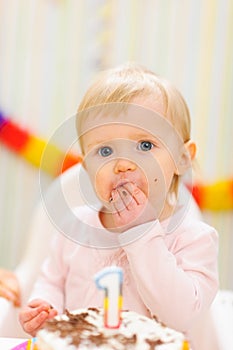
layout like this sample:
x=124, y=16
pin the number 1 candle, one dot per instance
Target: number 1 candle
x=110, y=280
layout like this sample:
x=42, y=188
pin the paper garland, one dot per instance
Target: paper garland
x=31, y=148
x=216, y=197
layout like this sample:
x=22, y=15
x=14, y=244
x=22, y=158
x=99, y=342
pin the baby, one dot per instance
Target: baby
x=134, y=133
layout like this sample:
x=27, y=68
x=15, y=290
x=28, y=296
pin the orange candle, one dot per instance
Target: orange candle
x=110, y=279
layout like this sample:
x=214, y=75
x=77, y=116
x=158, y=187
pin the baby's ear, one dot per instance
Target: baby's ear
x=188, y=153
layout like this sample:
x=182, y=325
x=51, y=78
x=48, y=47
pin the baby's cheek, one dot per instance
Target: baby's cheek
x=102, y=189
x=144, y=185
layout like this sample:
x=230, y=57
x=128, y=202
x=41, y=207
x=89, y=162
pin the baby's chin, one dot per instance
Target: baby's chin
x=106, y=203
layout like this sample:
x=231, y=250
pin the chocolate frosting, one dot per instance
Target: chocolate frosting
x=86, y=328
x=80, y=330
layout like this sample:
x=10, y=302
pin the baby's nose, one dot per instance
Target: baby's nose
x=123, y=165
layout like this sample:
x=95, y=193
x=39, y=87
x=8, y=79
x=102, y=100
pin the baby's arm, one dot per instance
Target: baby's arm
x=33, y=316
x=47, y=291
x=50, y=284
x=176, y=277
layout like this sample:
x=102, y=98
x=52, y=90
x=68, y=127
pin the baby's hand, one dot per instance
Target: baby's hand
x=34, y=315
x=9, y=287
x=128, y=203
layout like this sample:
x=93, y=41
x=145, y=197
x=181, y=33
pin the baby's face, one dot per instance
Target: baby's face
x=137, y=147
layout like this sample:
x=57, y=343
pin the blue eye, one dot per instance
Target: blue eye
x=145, y=146
x=105, y=151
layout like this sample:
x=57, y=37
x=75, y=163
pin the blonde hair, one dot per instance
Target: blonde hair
x=129, y=81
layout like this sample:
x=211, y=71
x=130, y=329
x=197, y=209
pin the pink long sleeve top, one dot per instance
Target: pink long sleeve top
x=171, y=275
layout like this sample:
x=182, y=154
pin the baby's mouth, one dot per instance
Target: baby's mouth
x=120, y=184
x=116, y=186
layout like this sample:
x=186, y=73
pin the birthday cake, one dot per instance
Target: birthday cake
x=84, y=329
